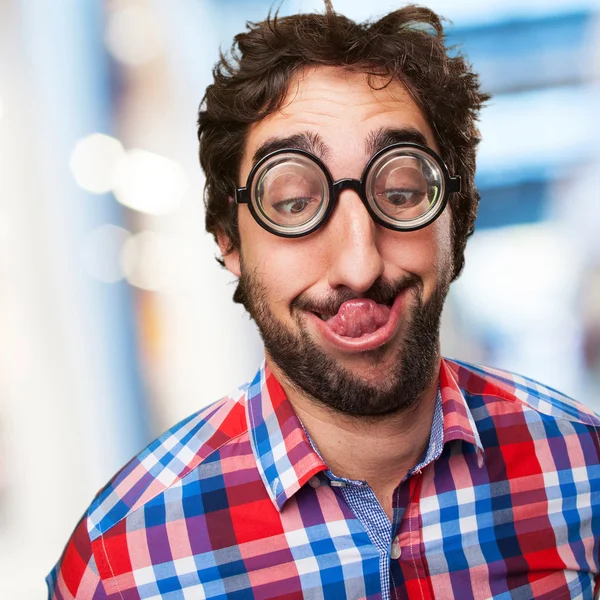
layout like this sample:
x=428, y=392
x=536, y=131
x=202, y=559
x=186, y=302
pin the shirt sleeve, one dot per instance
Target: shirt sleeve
x=75, y=576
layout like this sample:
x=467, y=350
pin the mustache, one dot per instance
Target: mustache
x=383, y=291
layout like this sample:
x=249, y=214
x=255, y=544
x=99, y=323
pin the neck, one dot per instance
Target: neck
x=378, y=450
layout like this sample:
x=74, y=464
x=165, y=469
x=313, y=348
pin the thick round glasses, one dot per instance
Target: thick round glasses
x=291, y=193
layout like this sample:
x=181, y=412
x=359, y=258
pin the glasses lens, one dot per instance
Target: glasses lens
x=290, y=192
x=405, y=187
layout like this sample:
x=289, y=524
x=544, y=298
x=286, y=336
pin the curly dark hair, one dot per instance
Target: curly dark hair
x=406, y=45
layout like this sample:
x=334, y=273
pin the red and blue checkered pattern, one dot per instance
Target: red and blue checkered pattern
x=220, y=507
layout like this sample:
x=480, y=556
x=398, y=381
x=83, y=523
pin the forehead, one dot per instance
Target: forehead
x=344, y=109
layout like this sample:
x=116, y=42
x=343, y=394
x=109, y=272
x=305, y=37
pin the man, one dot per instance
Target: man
x=357, y=464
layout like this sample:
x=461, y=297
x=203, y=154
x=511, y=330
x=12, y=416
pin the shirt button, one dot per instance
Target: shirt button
x=396, y=551
x=314, y=482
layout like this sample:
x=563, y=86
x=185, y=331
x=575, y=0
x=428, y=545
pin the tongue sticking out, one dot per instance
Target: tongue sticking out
x=359, y=317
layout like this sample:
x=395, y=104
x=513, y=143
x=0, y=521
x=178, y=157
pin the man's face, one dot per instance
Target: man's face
x=384, y=288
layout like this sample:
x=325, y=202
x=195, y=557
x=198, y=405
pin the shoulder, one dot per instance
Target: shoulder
x=506, y=392
x=529, y=431
x=167, y=460
x=516, y=415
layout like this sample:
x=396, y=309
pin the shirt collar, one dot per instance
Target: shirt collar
x=285, y=458
x=459, y=423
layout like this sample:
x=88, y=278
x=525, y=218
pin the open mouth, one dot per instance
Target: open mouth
x=360, y=324
x=356, y=303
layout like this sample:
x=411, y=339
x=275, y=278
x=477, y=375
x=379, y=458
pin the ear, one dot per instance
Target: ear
x=231, y=258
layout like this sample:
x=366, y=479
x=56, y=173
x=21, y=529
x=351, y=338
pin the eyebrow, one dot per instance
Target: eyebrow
x=307, y=141
x=387, y=136
x=313, y=143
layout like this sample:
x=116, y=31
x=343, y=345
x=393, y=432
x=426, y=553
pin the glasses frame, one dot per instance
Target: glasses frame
x=451, y=184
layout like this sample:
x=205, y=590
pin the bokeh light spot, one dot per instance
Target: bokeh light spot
x=133, y=35
x=94, y=161
x=150, y=183
x=147, y=261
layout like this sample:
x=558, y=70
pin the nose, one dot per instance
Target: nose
x=355, y=259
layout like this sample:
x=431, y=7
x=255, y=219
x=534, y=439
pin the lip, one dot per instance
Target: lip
x=370, y=341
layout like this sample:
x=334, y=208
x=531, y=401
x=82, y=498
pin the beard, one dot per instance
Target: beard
x=312, y=371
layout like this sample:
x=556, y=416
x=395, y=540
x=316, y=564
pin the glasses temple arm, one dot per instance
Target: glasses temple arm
x=242, y=196
x=454, y=184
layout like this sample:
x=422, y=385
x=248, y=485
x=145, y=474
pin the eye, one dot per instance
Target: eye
x=293, y=206
x=403, y=198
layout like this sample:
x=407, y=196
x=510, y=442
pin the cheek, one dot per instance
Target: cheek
x=287, y=274
x=426, y=252
x=442, y=233
x=287, y=267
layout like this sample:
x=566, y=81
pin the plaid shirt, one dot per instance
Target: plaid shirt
x=235, y=503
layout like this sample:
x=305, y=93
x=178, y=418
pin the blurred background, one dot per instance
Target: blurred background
x=115, y=319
